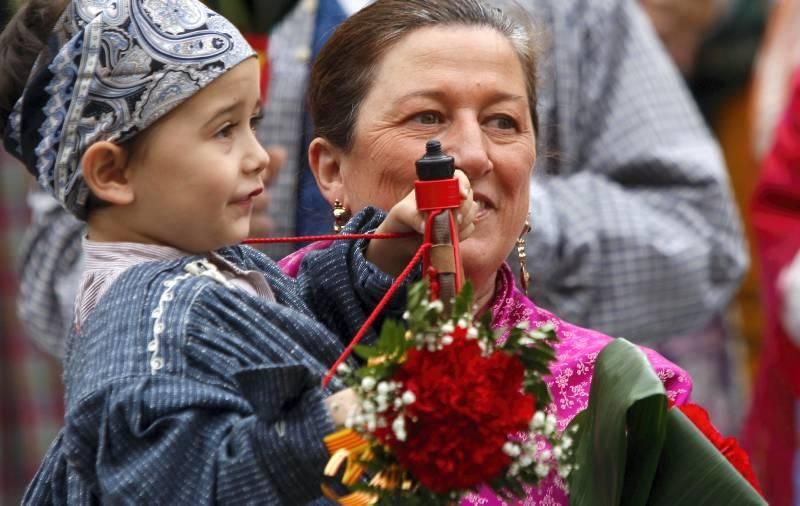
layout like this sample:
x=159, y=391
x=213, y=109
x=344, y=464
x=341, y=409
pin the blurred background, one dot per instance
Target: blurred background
x=737, y=57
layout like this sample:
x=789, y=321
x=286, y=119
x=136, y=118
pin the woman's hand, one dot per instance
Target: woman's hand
x=392, y=255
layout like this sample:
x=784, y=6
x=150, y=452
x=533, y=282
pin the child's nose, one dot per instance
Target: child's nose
x=257, y=159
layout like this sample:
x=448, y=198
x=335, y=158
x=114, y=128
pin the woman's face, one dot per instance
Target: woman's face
x=464, y=86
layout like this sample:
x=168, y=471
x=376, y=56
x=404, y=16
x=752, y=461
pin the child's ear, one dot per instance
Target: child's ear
x=105, y=172
x=325, y=161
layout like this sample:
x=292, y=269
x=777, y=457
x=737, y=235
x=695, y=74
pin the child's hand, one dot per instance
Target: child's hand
x=341, y=405
x=392, y=255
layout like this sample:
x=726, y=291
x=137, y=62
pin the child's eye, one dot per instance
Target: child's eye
x=255, y=121
x=226, y=131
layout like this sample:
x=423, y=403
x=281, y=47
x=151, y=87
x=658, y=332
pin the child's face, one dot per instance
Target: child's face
x=196, y=171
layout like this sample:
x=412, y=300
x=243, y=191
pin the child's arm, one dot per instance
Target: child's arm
x=391, y=256
x=236, y=413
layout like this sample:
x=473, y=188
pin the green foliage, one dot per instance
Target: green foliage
x=633, y=451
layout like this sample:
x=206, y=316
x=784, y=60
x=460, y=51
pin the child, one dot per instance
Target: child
x=193, y=371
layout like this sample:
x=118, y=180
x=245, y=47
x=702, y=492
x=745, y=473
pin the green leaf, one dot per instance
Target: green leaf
x=463, y=300
x=693, y=472
x=632, y=450
x=622, y=378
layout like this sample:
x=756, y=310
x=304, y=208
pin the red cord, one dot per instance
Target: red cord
x=327, y=237
x=367, y=324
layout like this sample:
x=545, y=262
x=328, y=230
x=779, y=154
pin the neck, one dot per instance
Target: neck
x=484, y=293
x=109, y=224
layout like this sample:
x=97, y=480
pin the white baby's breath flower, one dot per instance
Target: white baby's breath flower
x=437, y=306
x=511, y=449
x=538, y=420
x=472, y=333
x=448, y=328
x=447, y=340
x=409, y=397
x=542, y=469
x=368, y=383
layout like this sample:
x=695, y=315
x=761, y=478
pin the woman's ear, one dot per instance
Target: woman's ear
x=325, y=161
x=105, y=167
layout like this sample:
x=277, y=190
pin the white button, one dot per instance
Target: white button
x=156, y=363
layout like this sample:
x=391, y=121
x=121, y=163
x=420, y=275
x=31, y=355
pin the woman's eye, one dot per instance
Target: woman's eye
x=503, y=123
x=428, y=118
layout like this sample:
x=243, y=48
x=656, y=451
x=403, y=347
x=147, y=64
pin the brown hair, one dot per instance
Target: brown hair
x=343, y=72
x=20, y=43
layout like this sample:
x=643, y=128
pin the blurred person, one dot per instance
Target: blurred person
x=682, y=25
x=31, y=399
x=634, y=229
x=771, y=430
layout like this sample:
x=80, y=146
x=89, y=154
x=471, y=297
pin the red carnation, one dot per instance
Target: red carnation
x=728, y=446
x=466, y=405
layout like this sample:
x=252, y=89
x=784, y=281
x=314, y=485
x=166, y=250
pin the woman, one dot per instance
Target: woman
x=377, y=95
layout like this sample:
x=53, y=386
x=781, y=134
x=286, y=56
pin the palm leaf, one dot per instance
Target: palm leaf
x=632, y=451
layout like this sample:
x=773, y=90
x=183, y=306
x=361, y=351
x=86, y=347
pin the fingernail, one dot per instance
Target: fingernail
x=459, y=218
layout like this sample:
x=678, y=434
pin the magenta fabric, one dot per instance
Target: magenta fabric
x=571, y=376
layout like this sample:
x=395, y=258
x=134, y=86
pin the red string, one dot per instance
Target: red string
x=367, y=324
x=327, y=237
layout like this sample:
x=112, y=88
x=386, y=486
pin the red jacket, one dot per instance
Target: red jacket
x=770, y=431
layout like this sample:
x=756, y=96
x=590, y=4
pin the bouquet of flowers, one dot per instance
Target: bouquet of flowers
x=446, y=407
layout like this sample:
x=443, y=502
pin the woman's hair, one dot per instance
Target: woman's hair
x=20, y=43
x=344, y=71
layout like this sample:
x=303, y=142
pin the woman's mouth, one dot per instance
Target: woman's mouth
x=485, y=206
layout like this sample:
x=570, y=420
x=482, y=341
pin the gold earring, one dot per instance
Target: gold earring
x=524, y=275
x=340, y=216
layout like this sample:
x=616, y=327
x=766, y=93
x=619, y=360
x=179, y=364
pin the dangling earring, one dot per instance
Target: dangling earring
x=524, y=275
x=340, y=216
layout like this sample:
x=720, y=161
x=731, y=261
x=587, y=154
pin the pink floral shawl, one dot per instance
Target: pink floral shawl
x=571, y=376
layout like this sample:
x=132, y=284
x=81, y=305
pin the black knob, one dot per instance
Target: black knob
x=435, y=164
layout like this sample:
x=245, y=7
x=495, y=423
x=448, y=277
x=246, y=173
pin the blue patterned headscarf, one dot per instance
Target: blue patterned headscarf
x=110, y=69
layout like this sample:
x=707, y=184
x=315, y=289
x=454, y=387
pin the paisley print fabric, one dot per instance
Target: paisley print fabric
x=111, y=68
x=571, y=377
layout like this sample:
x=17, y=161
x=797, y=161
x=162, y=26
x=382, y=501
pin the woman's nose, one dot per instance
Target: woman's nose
x=468, y=146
